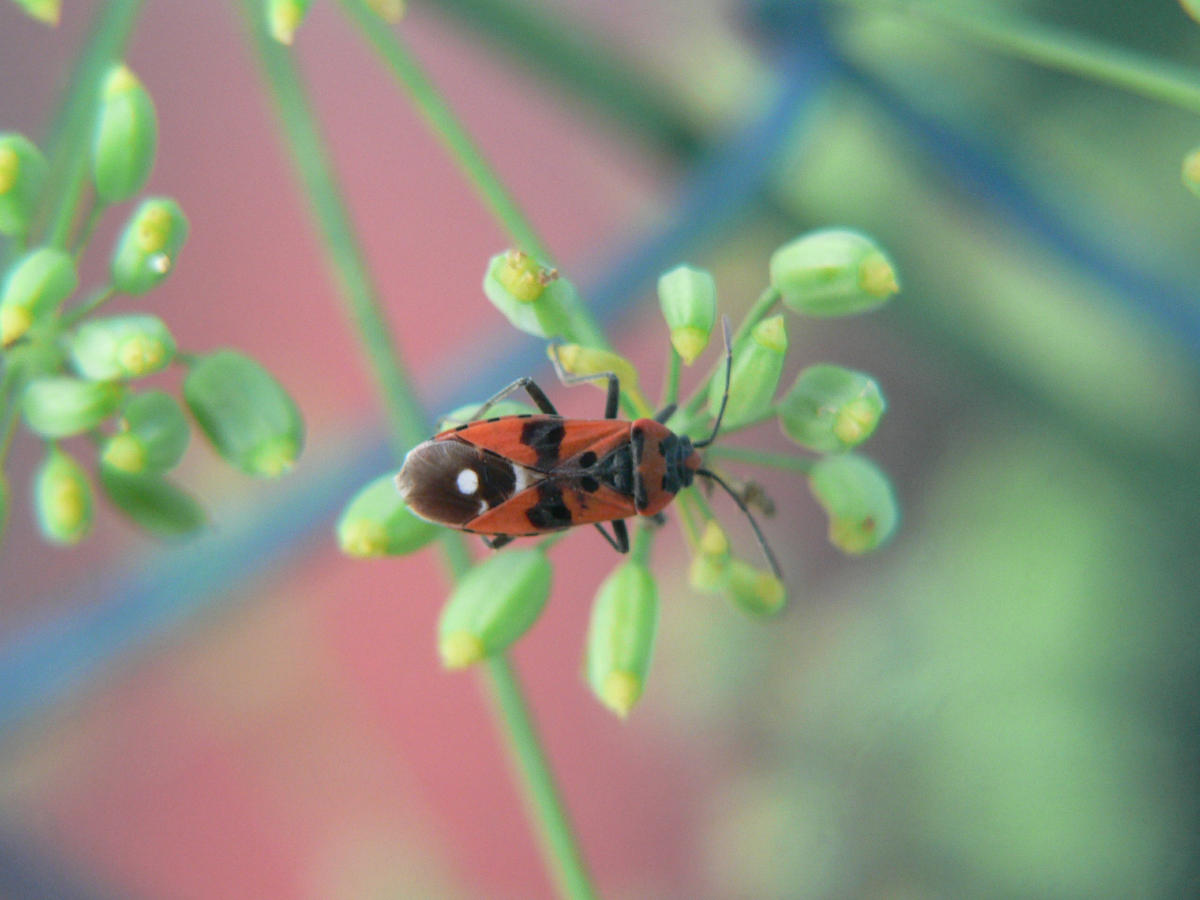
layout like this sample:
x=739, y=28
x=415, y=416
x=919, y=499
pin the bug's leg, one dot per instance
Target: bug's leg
x=498, y=541
x=665, y=413
x=612, y=400
x=619, y=539
x=536, y=394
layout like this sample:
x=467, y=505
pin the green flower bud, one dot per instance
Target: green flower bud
x=755, y=590
x=149, y=245
x=858, y=499
x=153, y=435
x=245, y=413
x=390, y=11
x=60, y=406
x=830, y=408
x=1191, y=171
x=34, y=287
x=378, y=523
x=494, y=604
x=469, y=413
x=620, y=638
x=576, y=359
x=688, y=299
x=833, y=272
x=153, y=503
x=530, y=295
x=22, y=173
x=122, y=347
x=757, y=367
x=43, y=10
x=125, y=138
x=62, y=498
x=284, y=17
x=709, y=569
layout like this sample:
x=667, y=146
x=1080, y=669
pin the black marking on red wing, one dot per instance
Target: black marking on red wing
x=544, y=437
x=429, y=481
x=550, y=512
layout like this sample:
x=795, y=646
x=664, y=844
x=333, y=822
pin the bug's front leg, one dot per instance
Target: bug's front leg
x=497, y=541
x=619, y=539
x=536, y=394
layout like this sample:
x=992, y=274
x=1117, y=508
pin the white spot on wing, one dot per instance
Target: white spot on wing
x=521, y=474
x=468, y=482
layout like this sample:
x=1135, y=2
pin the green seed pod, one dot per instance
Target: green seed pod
x=757, y=367
x=494, y=604
x=858, y=499
x=377, y=522
x=529, y=294
x=469, y=413
x=60, y=406
x=149, y=245
x=122, y=347
x=830, y=408
x=153, y=435
x=47, y=11
x=833, y=272
x=688, y=299
x=22, y=173
x=34, y=287
x=62, y=498
x=245, y=413
x=620, y=640
x=755, y=590
x=125, y=138
x=284, y=17
x=709, y=569
x=153, y=503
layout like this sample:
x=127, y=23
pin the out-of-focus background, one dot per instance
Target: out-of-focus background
x=1001, y=703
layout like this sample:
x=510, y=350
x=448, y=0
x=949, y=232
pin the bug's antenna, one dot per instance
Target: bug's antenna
x=762, y=541
x=724, y=397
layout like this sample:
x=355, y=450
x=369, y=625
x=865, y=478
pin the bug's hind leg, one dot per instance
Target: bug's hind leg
x=536, y=394
x=497, y=541
x=613, y=398
x=619, y=539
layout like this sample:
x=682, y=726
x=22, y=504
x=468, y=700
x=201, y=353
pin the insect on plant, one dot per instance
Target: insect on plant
x=524, y=475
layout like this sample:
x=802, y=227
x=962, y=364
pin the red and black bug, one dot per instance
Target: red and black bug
x=525, y=475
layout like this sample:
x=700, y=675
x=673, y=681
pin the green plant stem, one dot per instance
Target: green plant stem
x=99, y=297
x=671, y=388
x=783, y=461
x=643, y=540
x=89, y=225
x=10, y=395
x=1056, y=48
x=405, y=416
x=70, y=139
x=541, y=795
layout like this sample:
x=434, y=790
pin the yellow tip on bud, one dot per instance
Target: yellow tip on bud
x=855, y=421
x=460, y=649
x=140, y=354
x=125, y=452
x=363, y=539
x=274, y=457
x=713, y=542
x=14, y=322
x=10, y=165
x=877, y=277
x=689, y=342
x=47, y=11
x=523, y=277
x=1191, y=171
x=388, y=10
x=621, y=691
x=771, y=334
x=120, y=79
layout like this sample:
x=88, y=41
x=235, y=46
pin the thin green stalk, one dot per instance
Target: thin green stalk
x=784, y=461
x=671, y=388
x=643, y=540
x=1056, y=48
x=10, y=393
x=71, y=132
x=99, y=297
x=559, y=845
x=406, y=419
x=96, y=210
x=405, y=415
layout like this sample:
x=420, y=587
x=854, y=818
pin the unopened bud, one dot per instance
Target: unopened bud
x=620, y=639
x=377, y=522
x=757, y=367
x=22, y=173
x=858, y=499
x=833, y=272
x=688, y=299
x=125, y=138
x=830, y=408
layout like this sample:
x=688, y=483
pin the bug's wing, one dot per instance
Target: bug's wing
x=551, y=505
x=543, y=442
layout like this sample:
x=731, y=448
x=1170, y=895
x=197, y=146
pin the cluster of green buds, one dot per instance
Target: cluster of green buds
x=829, y=410
x=70, y=372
